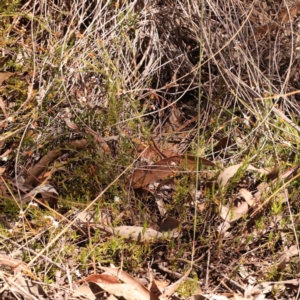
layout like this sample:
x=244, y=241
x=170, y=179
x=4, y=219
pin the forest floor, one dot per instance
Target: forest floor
x=148, y=149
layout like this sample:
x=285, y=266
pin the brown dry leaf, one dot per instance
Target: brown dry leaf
x=223, y=143
x=49, y=158
x=126, y=291
x=261, y=289
x=112, y=285
x=155, y=172
x=147, y=153
x=140, y=234
x=262, y=30
x=170, y=226
x=100, y=278
x=134, y=286
x=168, y=153
x=260, y=170
x=198, y=297
x=273, y=173
x=287, y=14
x=164, y=168
x=243, y=208
x=227, y=173
x=234, y=213
x=202, y=206
x=223, y=227
x=4, y=76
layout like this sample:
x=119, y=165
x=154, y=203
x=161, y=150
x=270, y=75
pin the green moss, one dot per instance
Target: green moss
x=189, y=288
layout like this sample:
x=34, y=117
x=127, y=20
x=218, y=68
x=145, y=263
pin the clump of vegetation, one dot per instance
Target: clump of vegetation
x=160, y=137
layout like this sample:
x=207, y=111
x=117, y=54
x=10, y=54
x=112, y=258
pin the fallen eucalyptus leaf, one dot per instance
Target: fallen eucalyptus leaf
x=47, y=191
x=4, y=76
x=247, y=196
x=285, y=258
x=229, y=172
x=234, y=213
x=170, y=226
x=26, y=289
x=164, y=168
x=223, y=227
x=138, y=233
x=135, y=287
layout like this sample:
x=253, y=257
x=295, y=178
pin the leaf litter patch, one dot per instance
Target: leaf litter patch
x=110, y=72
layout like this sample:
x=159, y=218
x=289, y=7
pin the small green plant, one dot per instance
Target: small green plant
x=259, y=223
x=189, y=287
x=277, y=206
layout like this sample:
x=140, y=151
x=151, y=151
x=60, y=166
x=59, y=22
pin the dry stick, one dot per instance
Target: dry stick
x=277, y=96
x=207, y=269
x=270, y=197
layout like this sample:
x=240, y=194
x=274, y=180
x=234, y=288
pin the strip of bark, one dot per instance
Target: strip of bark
x=49, y=158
